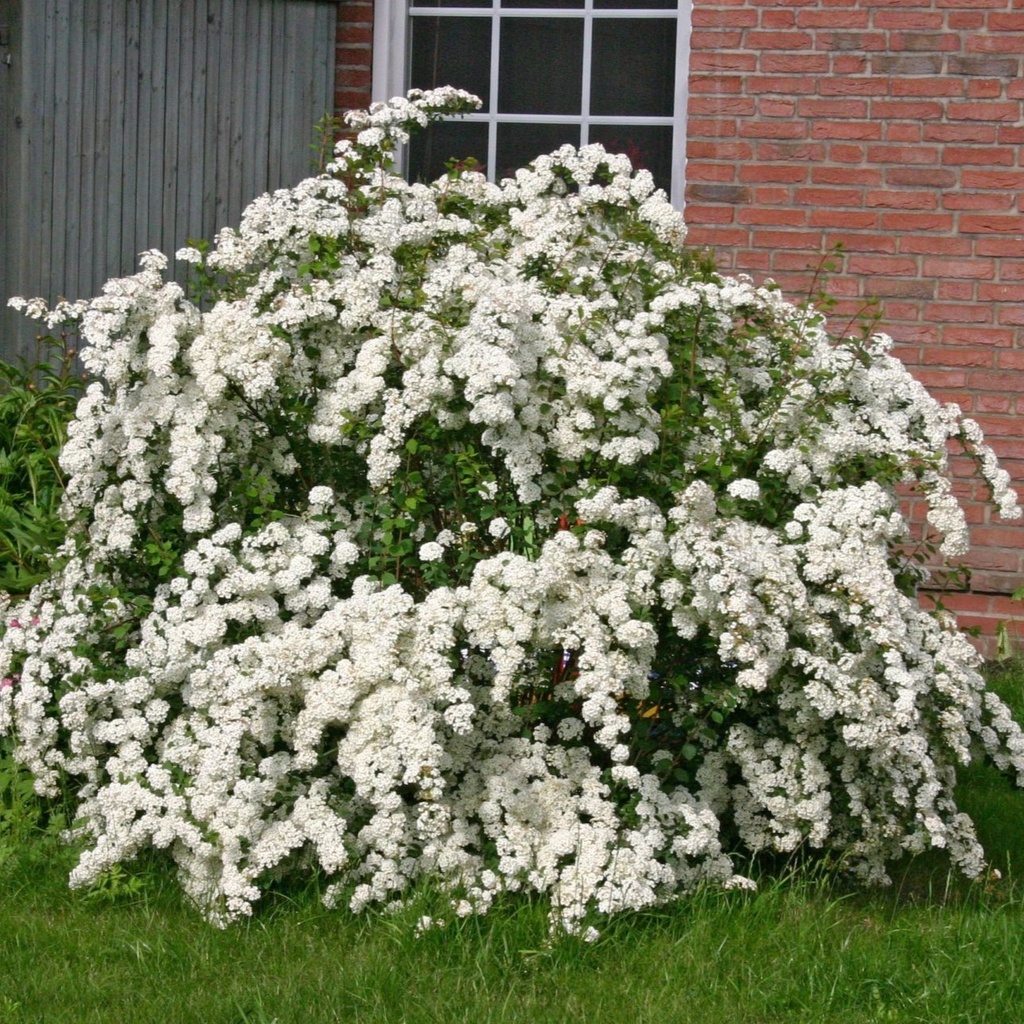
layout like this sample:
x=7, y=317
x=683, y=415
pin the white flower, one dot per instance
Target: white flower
x=431, y=552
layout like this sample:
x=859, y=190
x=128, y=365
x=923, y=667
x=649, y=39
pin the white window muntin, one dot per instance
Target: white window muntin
x=391, y=68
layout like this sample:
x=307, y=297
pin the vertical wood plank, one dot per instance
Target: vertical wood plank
x=131, y=126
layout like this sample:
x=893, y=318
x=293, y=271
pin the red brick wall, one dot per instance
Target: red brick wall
x=895, y=127
x=354, y=60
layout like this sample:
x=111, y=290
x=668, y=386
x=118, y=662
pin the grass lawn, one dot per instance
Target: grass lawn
x=932, y=949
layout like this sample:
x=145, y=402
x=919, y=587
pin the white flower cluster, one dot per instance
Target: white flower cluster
x=474, y=532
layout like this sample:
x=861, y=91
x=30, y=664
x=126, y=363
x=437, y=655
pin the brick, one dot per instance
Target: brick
x=1008, y=111
x=994, y=336
x=773, y=217
x=994, y=403
x=773, y=129
x=956, y=380
x=846, y=175
x=965, y=19
x=999, y=246
x=793, y=63
x=902, y=266
x=900, y=155
x=772, y=195
x=902, y=131
x=960, y=313
x=906, y=110
x=852, y=42
x=997, y=21
x=901, y=200
x=852, y=18
x=907, y=20
x=708, y=127
x=719, y=106
x=1012, y=315
x=789, y=239
x=790, y=173
x=956, y=291
x=964, y=132
x=759, y=40
x=1009, y=270
x=906, y=64
x=1008, y=180
x=697, y=149
x=930, y=87
x=716, y=236
x=811, y=152
x=979, y=270
x=771, y=107
x=989, y=88
x=718, y=85
x=856, y=242
x=925, y=42
x=904, y=221
x=864, y=130
x=920, y=177
x=719, y=193
x=786, y=86
x=701, y=61
x=710, y=172
x=1004, y=381
x=946, y=355
x=884, y=288
x=701, y=39
x=1011, y=360
x=1011, y=135
x=846, y=153
x=981, y=43
x=991, y=201
x=779, y=18
x=723, y=17
x=835, y=108
x=989, y=156
x=829, y=197
x=845, y=64
x=984, y=67
x=935, y=245
x=697, y=214
x=992, y=223
x=847, y=85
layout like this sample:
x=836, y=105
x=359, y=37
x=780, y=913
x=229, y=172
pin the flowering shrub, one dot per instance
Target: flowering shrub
x=479, y=532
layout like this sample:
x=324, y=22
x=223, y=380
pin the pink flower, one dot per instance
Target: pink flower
x=6, y=684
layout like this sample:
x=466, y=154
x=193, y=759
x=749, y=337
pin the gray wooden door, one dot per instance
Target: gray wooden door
x=128, y=125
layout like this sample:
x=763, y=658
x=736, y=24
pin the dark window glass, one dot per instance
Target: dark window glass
x=635, y=5
x=429, y=151
x=572, y=4
x=460, y=3
x=634, y=67
x=520, y=144
x=540, y=66
x=452, y=51
x=648, y=146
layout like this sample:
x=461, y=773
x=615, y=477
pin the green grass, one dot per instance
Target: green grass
x=802, y=949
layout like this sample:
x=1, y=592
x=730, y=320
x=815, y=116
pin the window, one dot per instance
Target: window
x=548, y=72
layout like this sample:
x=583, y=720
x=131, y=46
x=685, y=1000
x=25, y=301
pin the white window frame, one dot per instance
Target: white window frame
x=391, y=67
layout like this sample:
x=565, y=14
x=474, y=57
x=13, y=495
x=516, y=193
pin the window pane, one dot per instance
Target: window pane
x=519, y=144
x=464, y=3
x=634, y=67
x=430, y=150
x=452, y=51
x=636, y=5
x=540, y=68
x=571, y=4
x=648, y=146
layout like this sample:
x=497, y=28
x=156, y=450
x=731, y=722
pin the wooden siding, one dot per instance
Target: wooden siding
x=138, y=124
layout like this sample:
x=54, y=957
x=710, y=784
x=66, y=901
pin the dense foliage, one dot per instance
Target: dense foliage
x=478, y=532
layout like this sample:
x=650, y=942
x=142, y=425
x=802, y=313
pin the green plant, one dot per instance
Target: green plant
x=36, y=403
